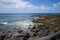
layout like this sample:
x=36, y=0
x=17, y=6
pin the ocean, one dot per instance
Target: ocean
x=8, y=21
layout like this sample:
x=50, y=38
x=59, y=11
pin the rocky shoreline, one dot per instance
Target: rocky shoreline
x=46, y=24
x=43, y=26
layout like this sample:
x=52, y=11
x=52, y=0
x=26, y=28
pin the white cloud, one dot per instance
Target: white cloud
x=23, y=4
x=19, y=3
x=55, y=5
x=58, y=3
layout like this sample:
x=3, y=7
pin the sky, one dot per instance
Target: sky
x=29, y=6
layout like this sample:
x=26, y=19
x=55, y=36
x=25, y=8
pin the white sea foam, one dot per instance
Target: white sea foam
x=23, y=24
x=4, y=23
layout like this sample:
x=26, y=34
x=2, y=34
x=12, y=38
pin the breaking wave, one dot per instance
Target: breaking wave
x=3, y=23
x=23, y=24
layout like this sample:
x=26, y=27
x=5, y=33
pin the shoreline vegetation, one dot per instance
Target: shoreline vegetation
x=43, y=26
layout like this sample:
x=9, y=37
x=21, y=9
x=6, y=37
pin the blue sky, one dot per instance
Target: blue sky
x=29, y=6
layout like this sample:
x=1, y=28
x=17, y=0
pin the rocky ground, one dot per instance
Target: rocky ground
x=45, y=25
x=45, y=28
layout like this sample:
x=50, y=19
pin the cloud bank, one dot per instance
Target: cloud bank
x=25, y=6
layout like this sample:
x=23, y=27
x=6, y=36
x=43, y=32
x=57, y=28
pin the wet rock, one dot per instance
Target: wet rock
x=34, y=34
x=46, y=26
x=2, y=37
x=57, y=37
x=26, y=37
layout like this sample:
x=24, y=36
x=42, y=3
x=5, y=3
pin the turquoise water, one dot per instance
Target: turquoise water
x=21, y=16
x=10, y=20
x=13, y=17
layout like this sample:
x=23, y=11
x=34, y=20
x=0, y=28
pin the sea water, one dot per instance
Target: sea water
x=9, y=21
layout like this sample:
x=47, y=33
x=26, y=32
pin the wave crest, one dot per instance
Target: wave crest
x=23, y=24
